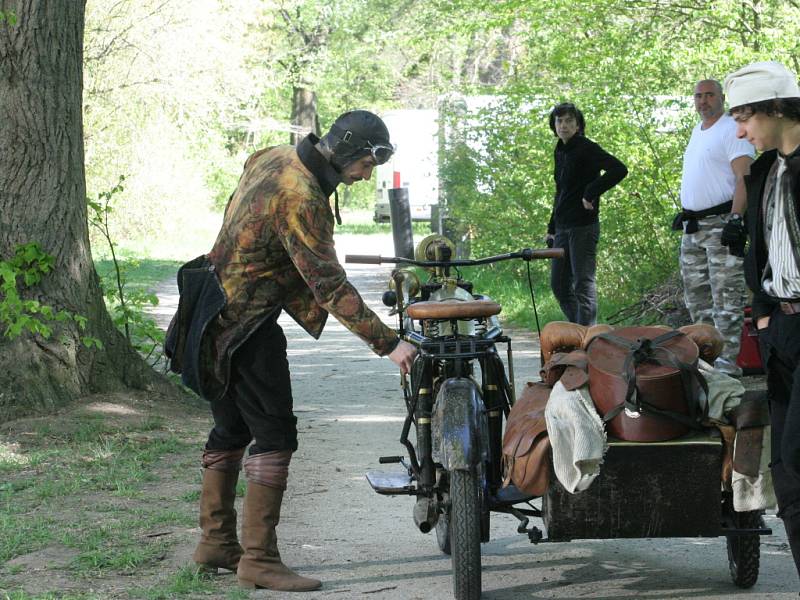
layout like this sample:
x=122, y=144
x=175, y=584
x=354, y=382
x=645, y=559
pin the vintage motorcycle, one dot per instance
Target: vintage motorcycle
x=456, y=400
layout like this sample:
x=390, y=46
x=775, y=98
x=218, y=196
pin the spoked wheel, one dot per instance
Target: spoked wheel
x=465, y=534
x=744, y=551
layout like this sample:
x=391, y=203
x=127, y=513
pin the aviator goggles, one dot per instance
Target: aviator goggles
x=352, y=144
x=380, y=152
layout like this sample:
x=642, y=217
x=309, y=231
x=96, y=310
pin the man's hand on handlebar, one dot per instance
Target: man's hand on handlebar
x=550, y=239
x=403, y=356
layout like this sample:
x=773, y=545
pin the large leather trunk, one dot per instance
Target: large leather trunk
x=667, y=489
x=658, y=386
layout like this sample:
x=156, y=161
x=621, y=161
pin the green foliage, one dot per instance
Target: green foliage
x=8, y=16
x=182, y=117
x=126, y=306
x=499, y=186
x=18, y=314
x=630, y=67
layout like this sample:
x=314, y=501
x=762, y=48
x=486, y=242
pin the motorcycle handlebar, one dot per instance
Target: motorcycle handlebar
x=363, y=259
x=544, y=253
x=525, y=254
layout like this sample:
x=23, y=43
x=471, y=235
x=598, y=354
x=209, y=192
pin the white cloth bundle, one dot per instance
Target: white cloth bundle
x=577, y=437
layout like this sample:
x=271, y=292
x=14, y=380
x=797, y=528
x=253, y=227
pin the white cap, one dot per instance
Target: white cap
x=760, y=81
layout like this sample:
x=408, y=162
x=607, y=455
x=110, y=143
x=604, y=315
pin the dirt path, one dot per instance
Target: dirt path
x=334, y=527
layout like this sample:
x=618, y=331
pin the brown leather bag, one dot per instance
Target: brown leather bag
x=526, y=446
x=645, y=384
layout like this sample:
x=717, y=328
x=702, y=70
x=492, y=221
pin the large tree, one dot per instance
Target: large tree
x=43, y=200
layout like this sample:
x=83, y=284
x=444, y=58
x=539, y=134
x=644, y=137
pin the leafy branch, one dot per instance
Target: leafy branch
x=127, y=307
x=8, y=16
x=17, y=314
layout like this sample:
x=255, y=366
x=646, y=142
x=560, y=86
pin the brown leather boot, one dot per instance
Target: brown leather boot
x=219, y=547
x=261, y=565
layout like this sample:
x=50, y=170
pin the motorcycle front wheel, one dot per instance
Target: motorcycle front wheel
x=465, y=534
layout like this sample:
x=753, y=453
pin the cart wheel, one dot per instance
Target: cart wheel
x=744, y=551
x=465, y=535
x=443, y=532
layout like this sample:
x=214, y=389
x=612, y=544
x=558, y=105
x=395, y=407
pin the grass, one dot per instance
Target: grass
x=70, y=477
x=141, y=274
x=187, y=580
x=21, y=595
x=84, y=494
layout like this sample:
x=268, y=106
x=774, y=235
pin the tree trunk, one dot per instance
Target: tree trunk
x=43, y=200
x=304, y=112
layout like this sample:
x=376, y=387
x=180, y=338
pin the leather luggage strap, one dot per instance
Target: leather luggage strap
x=571, y=369
x=652, y=351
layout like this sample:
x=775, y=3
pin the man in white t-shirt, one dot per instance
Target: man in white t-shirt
x=712, y=196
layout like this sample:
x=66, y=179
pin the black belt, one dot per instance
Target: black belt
x=691, y=216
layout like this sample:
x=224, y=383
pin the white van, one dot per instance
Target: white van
x=414, y=164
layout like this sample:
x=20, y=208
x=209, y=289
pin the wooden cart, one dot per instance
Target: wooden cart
x=654, y=490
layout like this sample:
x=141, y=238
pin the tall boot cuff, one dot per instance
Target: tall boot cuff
x=223, y=460
x=268, y=468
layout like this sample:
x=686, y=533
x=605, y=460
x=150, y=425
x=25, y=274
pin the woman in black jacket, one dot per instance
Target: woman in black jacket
x=583, y=172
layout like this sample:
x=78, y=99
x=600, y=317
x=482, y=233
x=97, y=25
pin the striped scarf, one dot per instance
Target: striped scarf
x=790, y=203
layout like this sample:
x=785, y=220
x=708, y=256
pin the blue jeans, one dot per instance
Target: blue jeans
x=572, y=277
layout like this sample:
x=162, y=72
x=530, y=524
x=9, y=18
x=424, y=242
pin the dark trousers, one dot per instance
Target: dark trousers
x=572, y=277
x=780, y=352
x=258, y=404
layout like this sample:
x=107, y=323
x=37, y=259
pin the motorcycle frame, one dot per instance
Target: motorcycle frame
x=455, y=433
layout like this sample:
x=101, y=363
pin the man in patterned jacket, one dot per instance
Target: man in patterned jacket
x=274, y=252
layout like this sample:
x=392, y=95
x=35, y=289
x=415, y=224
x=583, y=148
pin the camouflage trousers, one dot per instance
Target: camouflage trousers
x=714, y=287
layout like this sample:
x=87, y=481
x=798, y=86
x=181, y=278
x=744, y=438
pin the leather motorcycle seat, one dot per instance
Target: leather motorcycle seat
x=453, y=309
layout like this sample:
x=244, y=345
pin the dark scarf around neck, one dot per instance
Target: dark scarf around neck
x=327, y=177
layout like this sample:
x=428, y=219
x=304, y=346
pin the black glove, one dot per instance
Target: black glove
x=734, y=235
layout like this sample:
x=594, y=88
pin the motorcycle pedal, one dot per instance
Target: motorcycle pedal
x=385, y=460
x=534, y=535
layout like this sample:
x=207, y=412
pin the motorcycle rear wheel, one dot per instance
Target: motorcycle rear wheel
x=465, y=534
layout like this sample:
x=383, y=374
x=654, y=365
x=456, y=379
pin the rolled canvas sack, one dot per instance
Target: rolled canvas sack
x=593, y=331
x=526, y=446
x=708, y=339
x=560, y=336
x=645, y=384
